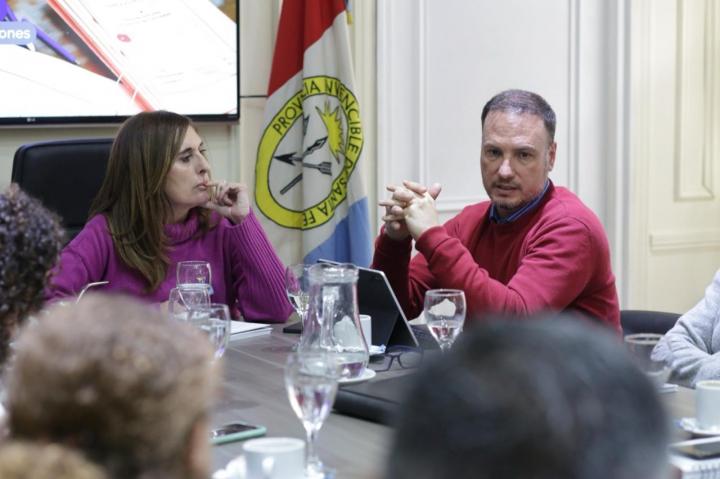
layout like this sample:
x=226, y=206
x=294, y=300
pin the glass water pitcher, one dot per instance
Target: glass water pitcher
x=332, y=323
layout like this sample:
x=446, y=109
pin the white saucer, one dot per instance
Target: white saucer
x=367, y=374
x=235, y=469
x=690, y=425
x=668, y=388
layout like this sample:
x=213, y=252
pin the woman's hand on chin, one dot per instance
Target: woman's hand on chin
x=231, y=200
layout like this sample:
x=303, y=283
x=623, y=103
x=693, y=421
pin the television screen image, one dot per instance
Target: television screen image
x=82, y=61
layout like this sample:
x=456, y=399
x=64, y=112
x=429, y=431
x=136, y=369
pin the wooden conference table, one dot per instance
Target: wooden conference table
x=253, y=391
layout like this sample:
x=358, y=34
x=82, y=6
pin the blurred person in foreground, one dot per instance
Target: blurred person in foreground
x=30, y=241
x=118, y=381
x=533, y=247
x=545, y=399
x=159, y=205
x=26, y=460
x=691, y=348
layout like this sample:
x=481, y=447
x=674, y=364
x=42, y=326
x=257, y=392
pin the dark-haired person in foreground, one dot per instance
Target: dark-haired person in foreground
x=30, y=241
x=532, y=247
x=117, y=380
x=159, y=205
x=545, y=399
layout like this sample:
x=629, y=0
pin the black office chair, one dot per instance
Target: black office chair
x=65, y=175
x=640, y=321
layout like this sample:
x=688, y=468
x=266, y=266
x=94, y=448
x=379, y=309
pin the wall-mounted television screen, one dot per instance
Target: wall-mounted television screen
x=91, y=61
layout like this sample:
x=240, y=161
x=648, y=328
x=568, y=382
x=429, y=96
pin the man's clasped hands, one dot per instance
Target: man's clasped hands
x=410, y=210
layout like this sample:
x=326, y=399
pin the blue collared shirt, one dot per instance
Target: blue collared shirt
x=528, y=207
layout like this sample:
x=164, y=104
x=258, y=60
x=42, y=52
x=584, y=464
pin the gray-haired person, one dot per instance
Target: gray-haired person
x=692, y=347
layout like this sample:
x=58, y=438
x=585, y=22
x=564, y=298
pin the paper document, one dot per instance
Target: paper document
x=38, y=84
x=177, y=55
x=243, y=329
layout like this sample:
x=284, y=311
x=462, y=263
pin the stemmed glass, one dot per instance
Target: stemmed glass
x=182, y=299
x=214, y=320
x=445, y=314
x=194, y=274
x=311, y=380
x=297, y=287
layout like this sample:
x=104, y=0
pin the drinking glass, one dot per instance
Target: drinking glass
x=194, y=274
x=297, y=288
x=311, y=380
x=182, y=299
x=641, y=346
x=214, y=320
x=445, y=314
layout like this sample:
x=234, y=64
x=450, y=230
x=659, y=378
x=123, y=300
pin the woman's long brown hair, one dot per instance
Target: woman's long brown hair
x=132, y=196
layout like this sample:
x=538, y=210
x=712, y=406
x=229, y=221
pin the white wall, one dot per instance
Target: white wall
x=675, y=124
x=440, y=61
x=635, y=85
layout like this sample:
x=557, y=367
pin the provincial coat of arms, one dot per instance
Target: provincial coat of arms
x=307, y=154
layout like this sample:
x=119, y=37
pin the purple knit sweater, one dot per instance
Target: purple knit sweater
x=246, y=272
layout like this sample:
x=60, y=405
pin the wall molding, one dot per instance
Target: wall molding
x=641, y=88
x=573, y=113
x=664, y=241
x=457, y=203
x=399, y=92
x=423, y=166
x=693, y=158
x=384, y=92
x=363, y=35
x=618, y=165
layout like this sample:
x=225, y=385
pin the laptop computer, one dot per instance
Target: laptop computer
x=389, y=324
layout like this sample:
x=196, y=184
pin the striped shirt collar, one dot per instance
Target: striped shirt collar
x=528, y=207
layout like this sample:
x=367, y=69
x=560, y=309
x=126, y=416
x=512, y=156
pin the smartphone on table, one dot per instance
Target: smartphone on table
x=235, y=431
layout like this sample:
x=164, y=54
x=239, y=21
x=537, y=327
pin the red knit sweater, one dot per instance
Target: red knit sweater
x=554, y=258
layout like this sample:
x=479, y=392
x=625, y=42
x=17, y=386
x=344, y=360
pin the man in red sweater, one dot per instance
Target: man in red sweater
x=532, y=247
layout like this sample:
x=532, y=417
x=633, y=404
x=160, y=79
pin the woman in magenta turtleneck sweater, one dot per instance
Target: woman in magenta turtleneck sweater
x=157, y=206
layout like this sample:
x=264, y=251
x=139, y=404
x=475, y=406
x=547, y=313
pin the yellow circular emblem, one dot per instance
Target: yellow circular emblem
x=315, y=139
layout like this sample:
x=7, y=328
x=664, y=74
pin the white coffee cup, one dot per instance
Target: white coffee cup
x=274, y=458
x=707, y=404
x=366, y=325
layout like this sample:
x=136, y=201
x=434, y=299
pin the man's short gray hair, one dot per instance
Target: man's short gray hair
x=522, y=101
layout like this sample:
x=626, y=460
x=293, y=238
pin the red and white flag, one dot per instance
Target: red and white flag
x=307, y=178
